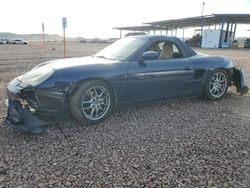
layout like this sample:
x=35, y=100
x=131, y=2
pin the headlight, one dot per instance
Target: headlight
x=34, y=78
x=41, y=78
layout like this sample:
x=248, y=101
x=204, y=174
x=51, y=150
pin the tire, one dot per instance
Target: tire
x=216, y=85
x=92, y=102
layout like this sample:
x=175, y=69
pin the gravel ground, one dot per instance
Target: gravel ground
x=171, y=143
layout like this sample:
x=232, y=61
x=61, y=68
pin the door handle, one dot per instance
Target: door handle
x=188, y=68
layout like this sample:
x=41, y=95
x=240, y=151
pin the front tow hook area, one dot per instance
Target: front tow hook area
x=22, y=119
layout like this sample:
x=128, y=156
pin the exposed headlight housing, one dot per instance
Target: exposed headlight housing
x=35, y=77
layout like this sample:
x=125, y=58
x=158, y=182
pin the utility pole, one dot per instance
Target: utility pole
x=43, y=36
x=64, y=25
x=202, y=20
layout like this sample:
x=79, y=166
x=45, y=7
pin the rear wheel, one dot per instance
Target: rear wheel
x=217, y=85
x=92, y=102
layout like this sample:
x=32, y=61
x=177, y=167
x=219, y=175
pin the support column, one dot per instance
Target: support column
x=176, y=32
x=226, y=35
x=234, y=31
x=231, y=30
x=183, y=34
x=221, y=32
x=120, y=34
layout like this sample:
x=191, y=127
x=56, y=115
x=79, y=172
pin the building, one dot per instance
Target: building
x=220, y=32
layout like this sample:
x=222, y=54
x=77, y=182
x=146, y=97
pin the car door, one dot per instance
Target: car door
x=160, y=78
x=173, y=75
x=140, y=82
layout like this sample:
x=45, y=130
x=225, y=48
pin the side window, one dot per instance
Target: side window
x=154, y=47
x=161, y=45
x=167, y=50
x=176, y=52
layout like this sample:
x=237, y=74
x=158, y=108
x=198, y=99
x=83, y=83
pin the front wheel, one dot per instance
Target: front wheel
x=92, y=102
x=217, y=85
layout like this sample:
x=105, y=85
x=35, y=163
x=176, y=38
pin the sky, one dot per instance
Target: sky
x=96, y=18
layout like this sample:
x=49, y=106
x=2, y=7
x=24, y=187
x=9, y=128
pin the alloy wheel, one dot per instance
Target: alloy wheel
x=96, y=103
x=218, y=84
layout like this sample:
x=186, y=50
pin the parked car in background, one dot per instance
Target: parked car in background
x=7, y=41
x=19, y=41
x=2, y=41
x=134, y=34
x=247, y=43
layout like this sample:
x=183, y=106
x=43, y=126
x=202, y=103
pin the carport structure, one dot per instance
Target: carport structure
x=224, y=22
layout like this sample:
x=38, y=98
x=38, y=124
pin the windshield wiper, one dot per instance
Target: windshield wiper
x=101, y=56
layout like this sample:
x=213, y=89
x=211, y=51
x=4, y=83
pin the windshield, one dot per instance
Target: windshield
x=121, y=49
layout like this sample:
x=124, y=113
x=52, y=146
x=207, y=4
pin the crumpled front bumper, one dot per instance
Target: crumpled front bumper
x=239, y=80
x=51, y=101
x=20, y=117
x=24, y=105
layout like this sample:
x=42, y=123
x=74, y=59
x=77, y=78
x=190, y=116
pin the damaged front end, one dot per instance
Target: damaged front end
x=238, y=79
x=21, y=118
x=24, y=105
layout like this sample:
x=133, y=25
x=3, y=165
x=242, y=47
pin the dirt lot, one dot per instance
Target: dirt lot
x=173, y=143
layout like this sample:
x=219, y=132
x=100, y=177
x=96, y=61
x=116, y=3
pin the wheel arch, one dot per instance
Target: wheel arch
x=211, y=71
x=75, y=86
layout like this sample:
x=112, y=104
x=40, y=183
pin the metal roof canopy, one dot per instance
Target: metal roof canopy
x=135, y=28
x=206, y=20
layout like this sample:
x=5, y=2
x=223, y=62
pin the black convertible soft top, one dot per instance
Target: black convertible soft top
x=187, y=51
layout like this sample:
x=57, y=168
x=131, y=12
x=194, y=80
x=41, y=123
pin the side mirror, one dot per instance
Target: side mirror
x=150, y=55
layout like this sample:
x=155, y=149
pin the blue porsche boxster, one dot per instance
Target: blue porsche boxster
x=132, y=69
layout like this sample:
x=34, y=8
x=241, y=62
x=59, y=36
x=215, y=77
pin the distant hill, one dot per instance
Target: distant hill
x=31, y=37
x=51, y=37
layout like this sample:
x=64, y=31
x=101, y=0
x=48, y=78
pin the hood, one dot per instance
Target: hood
x=44, y=70
x=71, y=62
